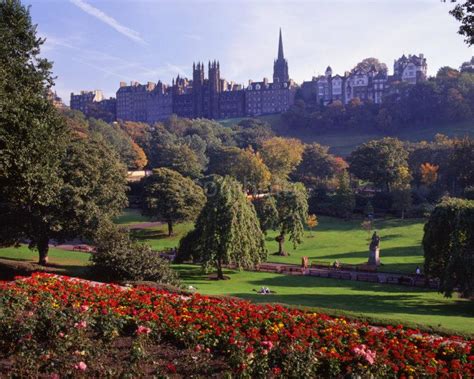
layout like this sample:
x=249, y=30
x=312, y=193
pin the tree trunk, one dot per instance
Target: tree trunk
x=403, y=214
x=220, y=274
x=43, y=248
x=281, y=241
x=170, y=228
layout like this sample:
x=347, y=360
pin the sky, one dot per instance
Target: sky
x=97, y=44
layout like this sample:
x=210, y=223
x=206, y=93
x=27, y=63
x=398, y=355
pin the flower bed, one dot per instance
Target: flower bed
x=54, y=325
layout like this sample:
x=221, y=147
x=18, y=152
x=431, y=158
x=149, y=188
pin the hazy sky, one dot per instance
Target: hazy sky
x=96, y=44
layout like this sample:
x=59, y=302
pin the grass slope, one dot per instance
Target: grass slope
x=342, y=142
x=384, y=303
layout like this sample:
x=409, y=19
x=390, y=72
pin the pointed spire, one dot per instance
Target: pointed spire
x=280, y=47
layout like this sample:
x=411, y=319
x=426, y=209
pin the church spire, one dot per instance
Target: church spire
x=280, y=65
x=280, y=47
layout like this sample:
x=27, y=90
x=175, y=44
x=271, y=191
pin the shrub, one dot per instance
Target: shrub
x=448, y=245
x=118, y=257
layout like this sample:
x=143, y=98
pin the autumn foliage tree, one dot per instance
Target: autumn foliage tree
x=429, y=173
x=282, y=156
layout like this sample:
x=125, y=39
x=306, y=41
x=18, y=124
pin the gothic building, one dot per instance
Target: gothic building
x=280, y=65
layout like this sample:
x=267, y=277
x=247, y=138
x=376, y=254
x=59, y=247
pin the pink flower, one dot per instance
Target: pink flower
x=143, y=330
x=81, y=325
x=84, y=308
x=81, y=366
x=267, y=344
x=365, y=353
x=54, y=376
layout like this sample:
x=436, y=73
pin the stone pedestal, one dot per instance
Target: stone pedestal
x=374, y=257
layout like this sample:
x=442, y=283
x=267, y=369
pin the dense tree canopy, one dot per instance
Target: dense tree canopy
x=227, y=230
x=379, y=161
x=170, y=197
x=32, y=135
x=281, y=155
x=448, y=245
x=316, y=165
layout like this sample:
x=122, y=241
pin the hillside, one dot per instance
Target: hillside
x=342, y=142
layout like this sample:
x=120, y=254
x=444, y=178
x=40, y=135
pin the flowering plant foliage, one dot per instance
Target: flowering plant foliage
x=79, y=319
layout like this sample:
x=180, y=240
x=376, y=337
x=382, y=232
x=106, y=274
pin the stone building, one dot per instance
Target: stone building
x=411, y=69
x=365, y=84
x=81, y=101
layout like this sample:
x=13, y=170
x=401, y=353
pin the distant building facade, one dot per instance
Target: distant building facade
x=94, y=104
x=55, y=99
x=208, y=96
x=366, y=85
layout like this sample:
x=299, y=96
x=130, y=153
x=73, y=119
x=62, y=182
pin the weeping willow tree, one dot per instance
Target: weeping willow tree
x=227, y=230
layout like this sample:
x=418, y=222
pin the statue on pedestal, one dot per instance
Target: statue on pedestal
x=374, y=250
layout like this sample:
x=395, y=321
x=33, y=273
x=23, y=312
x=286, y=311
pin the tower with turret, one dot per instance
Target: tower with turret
x=280, y=65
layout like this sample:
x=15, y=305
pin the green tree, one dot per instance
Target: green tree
x=227, y=230
x=32, y=134
x=379, y=161
x=92, y=192
x=464, y=13
x=245, y=165
x=267, y=212
x=118, y=257
x=171, y=197
x=292, y=206
x=448, y=245
x=402, y=191
x=180, y=158
x=316, y=166
x=344, y=199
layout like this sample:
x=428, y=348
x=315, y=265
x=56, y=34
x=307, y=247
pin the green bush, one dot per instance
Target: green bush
x=119, y=258
x=448, y=245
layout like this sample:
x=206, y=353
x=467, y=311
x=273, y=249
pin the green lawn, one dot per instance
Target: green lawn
x=130, y=217
x=333, y=239
x=70, y=263
x=380, y=303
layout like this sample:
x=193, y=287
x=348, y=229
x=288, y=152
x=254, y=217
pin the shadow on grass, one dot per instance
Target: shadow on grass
x=406, y=251
x=382, y=305
x=147, y=234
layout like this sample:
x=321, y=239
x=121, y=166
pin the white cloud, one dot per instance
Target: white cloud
x=105, y=18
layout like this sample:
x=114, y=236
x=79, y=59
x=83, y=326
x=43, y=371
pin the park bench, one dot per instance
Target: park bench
x=392, y=279
x=349, y=267
x=367, y=268
x=320, y=264
x=368, y=278
x=420, y=282
x=269, y=268
x=406, y=280
x=318, y=272
x=294, y=270
x=340, y=275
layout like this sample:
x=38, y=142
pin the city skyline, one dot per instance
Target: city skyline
x=95, y=45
